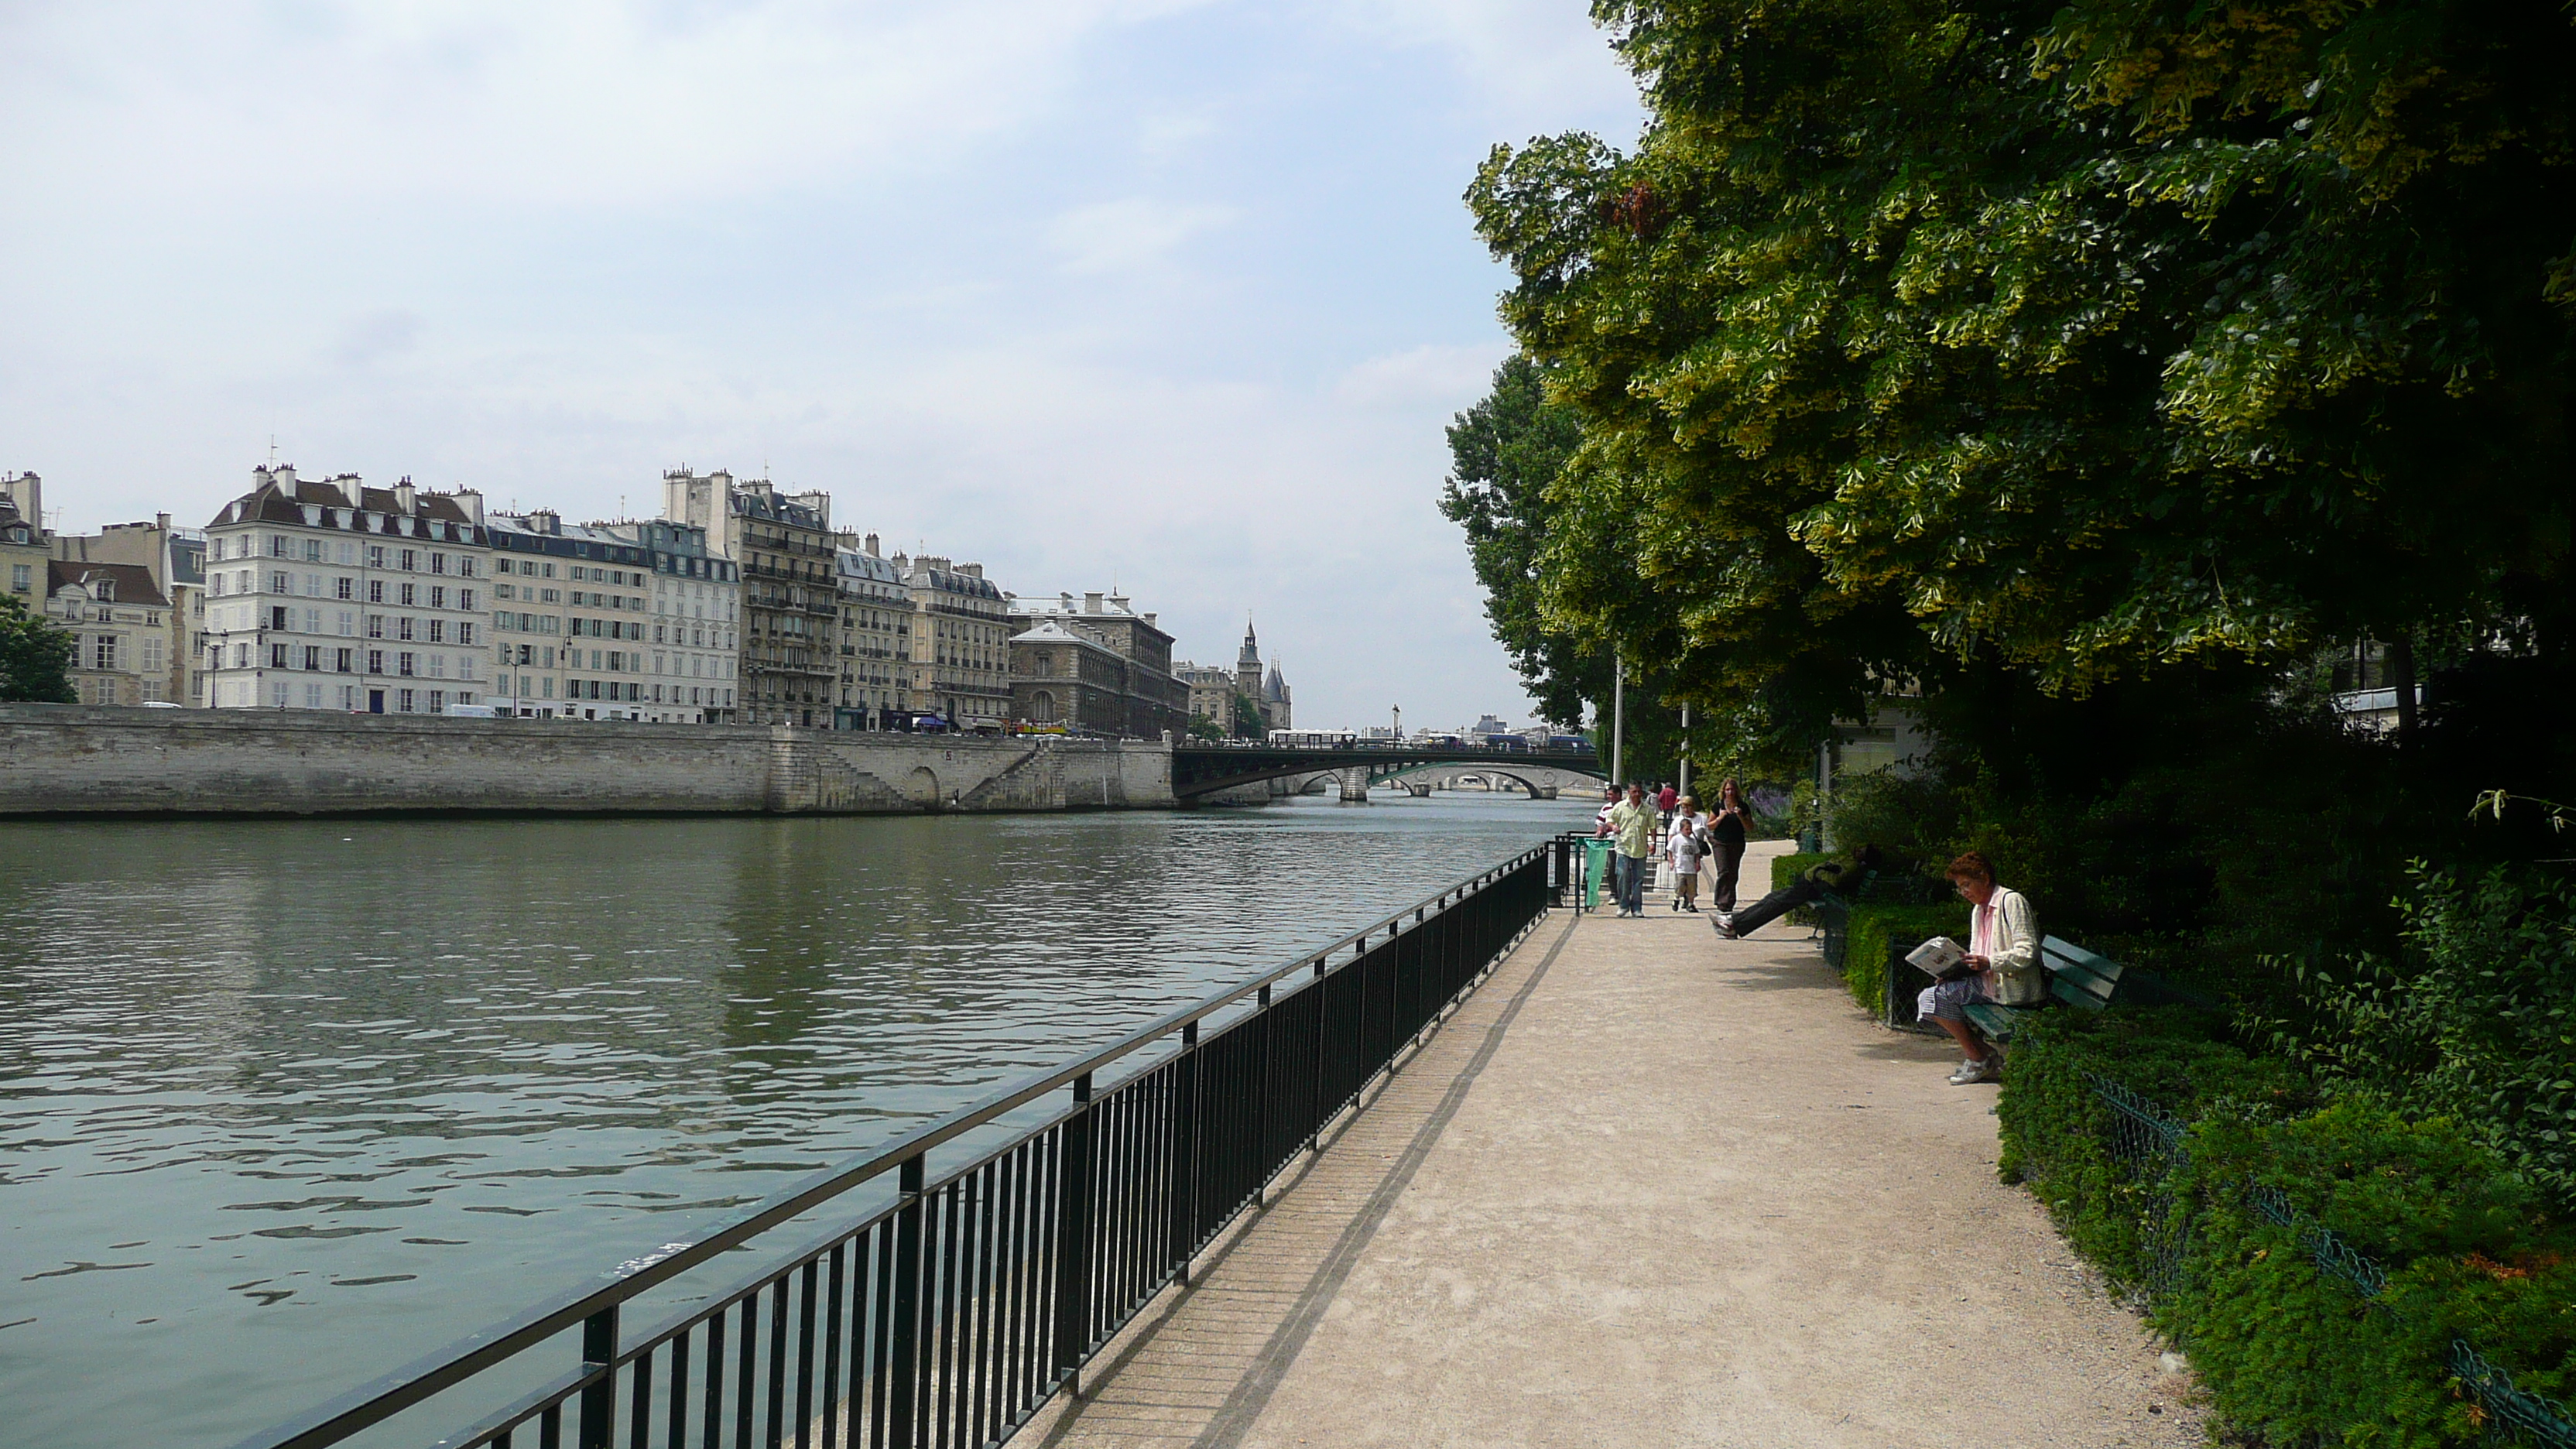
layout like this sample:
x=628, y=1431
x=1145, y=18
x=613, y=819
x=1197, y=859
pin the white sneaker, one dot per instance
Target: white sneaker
x=1966, y=1072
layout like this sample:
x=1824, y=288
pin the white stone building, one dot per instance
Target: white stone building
x=876, y=636
x=697, y=621
x=122, y=627
x=333, y=595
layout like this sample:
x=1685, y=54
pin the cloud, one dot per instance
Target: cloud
x=1117, y=236
x=377, y=335
x=1433, y=372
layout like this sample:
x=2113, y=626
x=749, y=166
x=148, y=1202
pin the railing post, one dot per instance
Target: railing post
x=1073, y=1241
x=1185, y=1150
x=599, y=1400
x=903, y=1400
x=1261, y=1164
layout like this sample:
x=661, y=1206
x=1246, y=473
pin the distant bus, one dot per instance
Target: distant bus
x=1313, y=739
x=1568, y=742
x=1505, y=742
x=1441, y=742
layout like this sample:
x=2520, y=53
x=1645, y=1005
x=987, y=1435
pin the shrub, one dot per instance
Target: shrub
x=2477, y=1021
x=2288, y=1353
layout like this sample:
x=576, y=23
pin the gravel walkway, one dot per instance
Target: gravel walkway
x=1646, y=1188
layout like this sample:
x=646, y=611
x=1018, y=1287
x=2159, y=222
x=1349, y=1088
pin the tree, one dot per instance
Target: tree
x=1923, y=339
x=1203, y=728
x=1506, y=453
x=1250, y=722
x=35, y=657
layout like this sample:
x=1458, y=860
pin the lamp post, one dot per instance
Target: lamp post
x=1684, y=787
x=1399, y=724
x=1618, y=717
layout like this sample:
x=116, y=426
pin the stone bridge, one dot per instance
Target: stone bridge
x=1199, y=770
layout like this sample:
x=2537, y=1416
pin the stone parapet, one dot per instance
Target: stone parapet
x=68, y=760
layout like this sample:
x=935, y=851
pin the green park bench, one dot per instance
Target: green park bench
x=2085, y=980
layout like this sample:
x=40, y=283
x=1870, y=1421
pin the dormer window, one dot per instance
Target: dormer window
x=104, y=590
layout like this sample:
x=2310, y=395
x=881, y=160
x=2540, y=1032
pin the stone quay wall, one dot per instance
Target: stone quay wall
x=70, y=760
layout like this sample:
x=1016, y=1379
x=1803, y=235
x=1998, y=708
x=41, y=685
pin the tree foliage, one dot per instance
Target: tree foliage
x=1918, y=337
x=1505, y=455
x=35, y=657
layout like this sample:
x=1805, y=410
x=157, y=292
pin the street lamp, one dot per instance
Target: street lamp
x=1399, y=724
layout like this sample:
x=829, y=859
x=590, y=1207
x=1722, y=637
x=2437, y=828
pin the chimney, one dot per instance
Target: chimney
x=1149, y=621
x=471, y=500
x=872, y=545
x=972, y=571
x=1068, y=602
x=1118, y=602
x=819, y=501
x=545, y=520
x=1091, y=603
x=403, y=496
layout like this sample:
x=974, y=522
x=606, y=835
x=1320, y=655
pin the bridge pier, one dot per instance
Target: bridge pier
x=1355, y=783
x=1547, y=792
x=1418, y=792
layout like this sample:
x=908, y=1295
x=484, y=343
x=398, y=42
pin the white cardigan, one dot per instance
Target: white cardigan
x=2006, y=932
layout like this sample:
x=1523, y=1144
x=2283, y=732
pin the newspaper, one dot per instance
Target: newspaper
x=1940, y=958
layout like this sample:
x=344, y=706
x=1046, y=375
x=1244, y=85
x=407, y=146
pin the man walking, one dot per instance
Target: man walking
x=1632, y=831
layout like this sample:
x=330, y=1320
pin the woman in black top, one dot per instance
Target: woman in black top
x=1726, y=834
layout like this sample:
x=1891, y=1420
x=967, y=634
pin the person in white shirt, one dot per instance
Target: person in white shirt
x=1682, y=846
x=2001, y=966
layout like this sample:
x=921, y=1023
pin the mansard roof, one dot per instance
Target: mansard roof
x=855, y=564
x=124, y=583
x=344, y=504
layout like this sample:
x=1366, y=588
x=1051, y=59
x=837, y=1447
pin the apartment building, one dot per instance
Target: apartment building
x=120, y=626
x=175, y=560
x=960, y=662
x=333, y=595
x=876, y=635
x=696, y=621
x=23, y=549
x=783, y=546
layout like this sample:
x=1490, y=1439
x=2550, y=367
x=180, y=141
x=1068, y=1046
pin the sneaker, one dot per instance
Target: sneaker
x=1989, y=1070
x=1965, y=1072
x=1725, y=932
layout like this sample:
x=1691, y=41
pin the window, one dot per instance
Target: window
x=464, y=670
x=579, y=573
x=19, y=574
x=465, y=570
x=312, y=696
x=406, y=701
x=438, y=563
x=348, y=588
x=502, y=591
x=375, y=591
x=313, y=656
x=437, y=666
x=348, y=623
x=313, y=621
x=402, y=627
x=438, y=631
x=277, y=617
x=550, y=596
x=375, y=661
x=438, y=596
x=410, y=561
x=312, y=550
x=464, y=631
x=465, y=600
x=341, y=663
x=281, y=695
x=403, y=663
x=277, y=656
x=410, y=596
x=277, y=545
x=437, y=697
x=151, y=655
x=375, y=555
x=280, y=584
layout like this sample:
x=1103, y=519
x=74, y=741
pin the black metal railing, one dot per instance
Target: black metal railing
x=950, y=1315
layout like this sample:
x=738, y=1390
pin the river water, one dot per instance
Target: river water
x=284, y=1105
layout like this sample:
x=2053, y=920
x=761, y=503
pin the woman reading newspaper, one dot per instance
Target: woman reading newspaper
x=2001, y=965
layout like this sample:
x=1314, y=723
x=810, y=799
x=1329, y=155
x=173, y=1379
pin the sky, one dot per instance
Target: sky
x=1174, y=298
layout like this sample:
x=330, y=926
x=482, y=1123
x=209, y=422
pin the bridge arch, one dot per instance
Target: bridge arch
x=1202, y=770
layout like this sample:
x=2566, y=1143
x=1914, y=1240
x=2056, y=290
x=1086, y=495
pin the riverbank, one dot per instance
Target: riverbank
x=1648, y=1187
x=73, y=760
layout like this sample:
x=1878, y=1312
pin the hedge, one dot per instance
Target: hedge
x=2289, y=1353
x=1873, y=929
